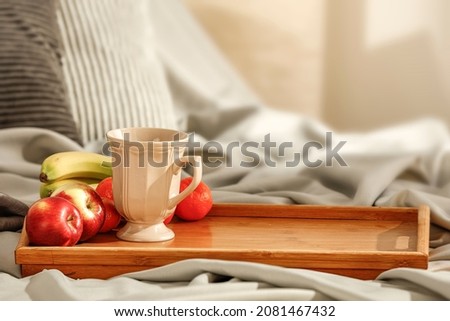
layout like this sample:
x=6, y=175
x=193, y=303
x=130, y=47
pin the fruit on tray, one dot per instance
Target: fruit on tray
x=197, y=204
x=112, y=216
x=75, y=164
x=88, y=203
x=169, y=218
x=104, y=188
x=47, y=189
x=81, y=183
x=53, y=221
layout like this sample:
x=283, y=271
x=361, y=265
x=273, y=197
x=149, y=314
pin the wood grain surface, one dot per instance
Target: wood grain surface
x=360, y=242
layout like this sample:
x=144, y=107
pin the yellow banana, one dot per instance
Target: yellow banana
x=47, y=189
x=75, y=164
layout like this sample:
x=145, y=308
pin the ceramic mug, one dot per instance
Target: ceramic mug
x=146, y=166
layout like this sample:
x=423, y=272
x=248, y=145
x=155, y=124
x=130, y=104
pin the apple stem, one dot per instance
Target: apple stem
x=43, y=177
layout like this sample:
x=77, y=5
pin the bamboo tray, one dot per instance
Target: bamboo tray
x=360, y=242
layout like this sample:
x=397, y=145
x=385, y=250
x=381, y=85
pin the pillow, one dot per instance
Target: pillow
x=113, y=76
x=32, y=90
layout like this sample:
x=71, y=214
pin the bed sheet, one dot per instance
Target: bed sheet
x=405, y=165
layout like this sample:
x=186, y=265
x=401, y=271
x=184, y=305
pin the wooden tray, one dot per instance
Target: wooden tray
x=359, y=242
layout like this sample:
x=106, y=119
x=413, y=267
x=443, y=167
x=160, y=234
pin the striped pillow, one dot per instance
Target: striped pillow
x=112, y=73
x=32, y=91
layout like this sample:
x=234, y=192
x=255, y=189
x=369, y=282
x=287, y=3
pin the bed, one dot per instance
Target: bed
x=178, y=79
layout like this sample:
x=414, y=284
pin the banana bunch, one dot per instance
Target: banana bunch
x=73, y=166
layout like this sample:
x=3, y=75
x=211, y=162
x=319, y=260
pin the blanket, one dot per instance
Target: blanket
x=405, y=165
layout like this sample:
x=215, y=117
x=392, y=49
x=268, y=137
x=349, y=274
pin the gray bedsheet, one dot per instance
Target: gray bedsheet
x=405, y=165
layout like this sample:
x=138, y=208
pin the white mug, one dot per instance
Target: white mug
x=146, y=166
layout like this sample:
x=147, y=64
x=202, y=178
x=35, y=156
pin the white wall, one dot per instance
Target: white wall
x=357, y=64
x=276, y=44
x=386, y=62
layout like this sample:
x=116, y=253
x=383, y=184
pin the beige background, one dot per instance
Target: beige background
x=357, y=64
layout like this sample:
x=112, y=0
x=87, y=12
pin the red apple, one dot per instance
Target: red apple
x=169, y=218
x=88, y=202
x=104, y=188
x=53, y=221
x=197, y=204
x=112, y=216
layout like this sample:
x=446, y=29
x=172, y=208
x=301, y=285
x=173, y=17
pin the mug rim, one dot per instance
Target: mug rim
x=112, y=134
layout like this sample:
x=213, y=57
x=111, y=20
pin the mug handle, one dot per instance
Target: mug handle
x=196, y=162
